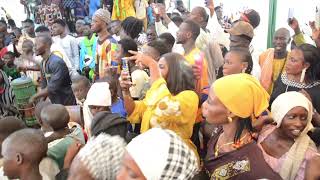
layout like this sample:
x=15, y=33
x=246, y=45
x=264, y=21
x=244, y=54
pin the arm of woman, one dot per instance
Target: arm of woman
x=312, y=168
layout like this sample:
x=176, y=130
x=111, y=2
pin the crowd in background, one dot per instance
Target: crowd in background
x=128, y=90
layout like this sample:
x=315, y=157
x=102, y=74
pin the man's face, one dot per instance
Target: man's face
x=40, y=46
x=219, y=13
x=86, y=30
x=28, y=28
x=79, y=28
x=115, y=27
x=151, y=34
x=238, y=41
x=183, y=34
x=57, y=29
x=10, y=166
x=280, y=41
x=96, y=24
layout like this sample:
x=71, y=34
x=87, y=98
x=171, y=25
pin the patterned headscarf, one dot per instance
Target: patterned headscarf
x=102, y=156
x=103, y=14
x=161, y=154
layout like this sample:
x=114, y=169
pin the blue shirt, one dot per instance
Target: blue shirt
x=119, y=108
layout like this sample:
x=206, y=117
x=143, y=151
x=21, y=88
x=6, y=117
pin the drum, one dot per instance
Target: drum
x=24, y=89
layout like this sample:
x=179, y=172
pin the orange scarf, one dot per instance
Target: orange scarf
x=266, y=64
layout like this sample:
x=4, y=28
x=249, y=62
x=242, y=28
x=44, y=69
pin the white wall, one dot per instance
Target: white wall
x=15, y=10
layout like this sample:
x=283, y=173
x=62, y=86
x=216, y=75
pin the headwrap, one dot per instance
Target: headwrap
x=102, y=156
x=242, y=94
x=103, y=14
x=280, y=107
x=161, y=154
x=98, y=95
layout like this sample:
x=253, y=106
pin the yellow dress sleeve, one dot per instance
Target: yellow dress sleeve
x=180, y=109
x=137, y=114
x=299, y=39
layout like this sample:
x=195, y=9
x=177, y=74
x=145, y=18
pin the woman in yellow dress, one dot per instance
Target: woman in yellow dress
x=123, y=9
x=171, y=102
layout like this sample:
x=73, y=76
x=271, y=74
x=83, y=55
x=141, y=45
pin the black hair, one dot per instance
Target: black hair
x=56, y=115
x=204, y=14
x=312, y=56
x=60, y=22
x=132, y=26
x=11, y=54
x=3, y=22
x=81, y=79
x=180, y=75
x=41, y=29
x=160, y=46
x=245, y=56
x=168, y=39
x=28, y=21
x=46, y=38
x=128, y=44
x=218, y=7
x=194, y=28
x=18, y=29
x=243, y=123
x=176, y=19
x=12, y=23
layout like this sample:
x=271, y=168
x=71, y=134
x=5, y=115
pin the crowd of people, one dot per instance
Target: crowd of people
x=139, y=93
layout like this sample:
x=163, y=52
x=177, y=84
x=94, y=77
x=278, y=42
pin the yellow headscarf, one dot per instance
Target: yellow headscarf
x=242, y=94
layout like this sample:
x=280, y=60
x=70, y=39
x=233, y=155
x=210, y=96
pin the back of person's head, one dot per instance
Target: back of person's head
x=11, y=23
x=38, y=109
x=132, y=26
x=311, y=55
x=45, y=38
x=127, y=45
x=3, y=22
x=56, y=116
x=28, y=43
x=8, y=125
x=24, y=147
x=42, y=29
x=160, y=46
x=100, y=158
x=177, y=19
x=79, y=79
x=109, y=123
x=180, y=75
x=194, y=28
x=29, y=21
x=168, y=39
x=245, y=56
x=60, y=22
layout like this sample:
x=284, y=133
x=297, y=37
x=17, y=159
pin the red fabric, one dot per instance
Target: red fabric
x=3, y=51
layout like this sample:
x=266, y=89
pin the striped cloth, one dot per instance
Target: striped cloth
x=6, y=96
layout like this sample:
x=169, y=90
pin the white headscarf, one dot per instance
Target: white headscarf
x=280, y=107
x=161, y=154
x=102, y=156
x=98, y=95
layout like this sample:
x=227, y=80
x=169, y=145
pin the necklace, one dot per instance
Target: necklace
x=235, y=145
x=291, y=83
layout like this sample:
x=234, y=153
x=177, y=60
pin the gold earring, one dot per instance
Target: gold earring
x=230, y=119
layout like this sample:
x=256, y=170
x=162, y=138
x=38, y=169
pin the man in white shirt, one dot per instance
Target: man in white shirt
x=67, y=42
x=56, y=47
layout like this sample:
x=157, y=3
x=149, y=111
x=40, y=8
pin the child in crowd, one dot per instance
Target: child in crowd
x=54, y=121
x=22, y=153
x=10, y=68
x=80, y=87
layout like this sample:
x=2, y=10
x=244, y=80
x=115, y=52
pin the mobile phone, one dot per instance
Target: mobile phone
x=317, y=18
x=126, y=67
x=290, y=15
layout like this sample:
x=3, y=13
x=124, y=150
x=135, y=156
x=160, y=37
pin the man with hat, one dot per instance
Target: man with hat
x=99, y=25
x=241, y=35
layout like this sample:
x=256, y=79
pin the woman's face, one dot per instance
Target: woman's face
x=163, y=66
x=294, y=122
x=233, y=64
x=130, y=169
x=295, y=63
x=214, y=111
